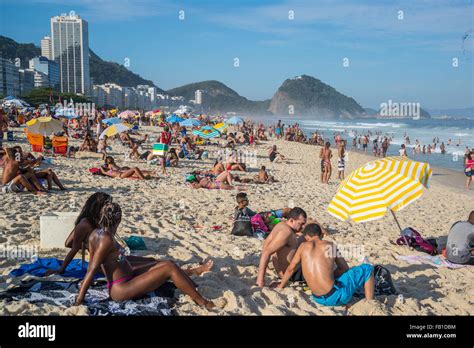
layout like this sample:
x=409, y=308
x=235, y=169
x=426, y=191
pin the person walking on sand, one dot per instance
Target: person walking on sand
x=326, y=154
x=469, y=168
x=327, y=274
x=341, y=164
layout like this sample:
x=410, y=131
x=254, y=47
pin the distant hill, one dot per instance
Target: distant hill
x=370, y=111
x=101, y=71
x=220, y=98
x=10, y=49
x=307, y=96
x=463, y=112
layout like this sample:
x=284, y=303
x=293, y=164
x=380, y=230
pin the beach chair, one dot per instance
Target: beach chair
x=36, y=141
x=60, y=145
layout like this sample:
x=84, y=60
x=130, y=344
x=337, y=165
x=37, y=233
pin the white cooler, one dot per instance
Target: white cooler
x=55, y=228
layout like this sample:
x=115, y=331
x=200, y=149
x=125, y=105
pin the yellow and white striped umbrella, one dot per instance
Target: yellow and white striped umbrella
x=389, y=183
x=115, y=129
x=45, y=125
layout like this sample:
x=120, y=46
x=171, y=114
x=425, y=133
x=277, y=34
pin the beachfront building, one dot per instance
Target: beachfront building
x=130, y=97
x=41, y=79
x=9, y=78
x=27, y=80
x=46, y=47
x=47, y=67
x=70, y=49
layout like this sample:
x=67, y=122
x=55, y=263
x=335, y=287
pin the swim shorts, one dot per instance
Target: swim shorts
x=345, y=286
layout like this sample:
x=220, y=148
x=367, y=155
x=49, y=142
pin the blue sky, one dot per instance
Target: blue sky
x=405, y=60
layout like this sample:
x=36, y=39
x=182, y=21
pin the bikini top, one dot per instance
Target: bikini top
x=122, y=248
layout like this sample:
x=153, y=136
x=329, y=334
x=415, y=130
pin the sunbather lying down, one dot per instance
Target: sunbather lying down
x=261, y=178
x=222, y=182
x=114, y=171
x=124, y=282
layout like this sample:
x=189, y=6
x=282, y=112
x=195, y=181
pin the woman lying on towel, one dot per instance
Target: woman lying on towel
x=124, y=282
x=222, y=182
x=114, y=171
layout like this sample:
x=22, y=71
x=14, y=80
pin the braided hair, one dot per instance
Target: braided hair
x=110, y=215
x=92, y=208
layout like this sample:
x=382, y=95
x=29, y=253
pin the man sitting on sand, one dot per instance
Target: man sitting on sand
x=12, y=180
x=327, y=274
x=460, y=244
x=281, y=246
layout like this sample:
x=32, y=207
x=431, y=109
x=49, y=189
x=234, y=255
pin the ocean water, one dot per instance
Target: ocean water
x=423, y=130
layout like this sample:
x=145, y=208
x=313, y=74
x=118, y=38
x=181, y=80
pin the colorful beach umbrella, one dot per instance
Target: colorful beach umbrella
x=190, y=122
x=234, y=120
x=126, y=114
x=221, y=126
x=174, y=119
x=387, y=184
x=112, y=120
x=44, y=125
x=206, y=132
x=115, y=129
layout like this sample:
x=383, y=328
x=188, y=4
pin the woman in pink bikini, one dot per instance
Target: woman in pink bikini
x=125, y=283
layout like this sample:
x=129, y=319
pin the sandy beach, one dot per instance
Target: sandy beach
x=152, y=210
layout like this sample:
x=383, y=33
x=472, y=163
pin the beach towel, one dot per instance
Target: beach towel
x=97, y=301
x=437, y=261
x=38, y=268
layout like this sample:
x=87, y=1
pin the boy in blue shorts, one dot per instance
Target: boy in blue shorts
x=327, y=274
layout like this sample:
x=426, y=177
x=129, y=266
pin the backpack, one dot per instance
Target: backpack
x=416, y=241
x=383, y=283
x=242, y=225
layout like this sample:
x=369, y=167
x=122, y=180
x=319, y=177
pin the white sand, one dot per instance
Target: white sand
x=148, y=212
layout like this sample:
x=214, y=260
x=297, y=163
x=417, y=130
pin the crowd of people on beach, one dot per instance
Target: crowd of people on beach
x=293, y=242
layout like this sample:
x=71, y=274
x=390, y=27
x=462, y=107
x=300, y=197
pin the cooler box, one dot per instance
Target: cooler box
x=55, y=228
x=160, y=149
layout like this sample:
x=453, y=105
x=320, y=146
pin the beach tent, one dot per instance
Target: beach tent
x=112, y=120
x=234, y=120
x=386, y=184
x=44, y=126
x=190, y=122
x=115, y=129
x=174, y=119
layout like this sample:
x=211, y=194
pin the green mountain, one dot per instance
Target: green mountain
x=10, y=49
x=220, y=98
x=306, y=96
x=101, y=71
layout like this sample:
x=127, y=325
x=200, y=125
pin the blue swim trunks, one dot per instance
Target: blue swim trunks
x=346, y=285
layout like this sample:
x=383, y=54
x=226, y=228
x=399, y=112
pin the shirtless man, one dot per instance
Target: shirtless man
x=325, y=154
x=12, y=181
x=327, y=274
x=282, y=243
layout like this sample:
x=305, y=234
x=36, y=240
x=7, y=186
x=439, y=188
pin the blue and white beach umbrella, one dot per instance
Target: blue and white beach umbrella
x=112, y=120
x=234, y=120
x=174, y=119
x=190, y=122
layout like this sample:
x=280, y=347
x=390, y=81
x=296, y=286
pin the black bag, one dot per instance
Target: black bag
x=242, y=225
x=383, y=283
x=181, y=154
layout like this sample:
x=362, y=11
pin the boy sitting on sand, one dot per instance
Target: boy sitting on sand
x=327, y=274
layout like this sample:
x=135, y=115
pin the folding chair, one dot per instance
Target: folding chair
x=60, y=145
